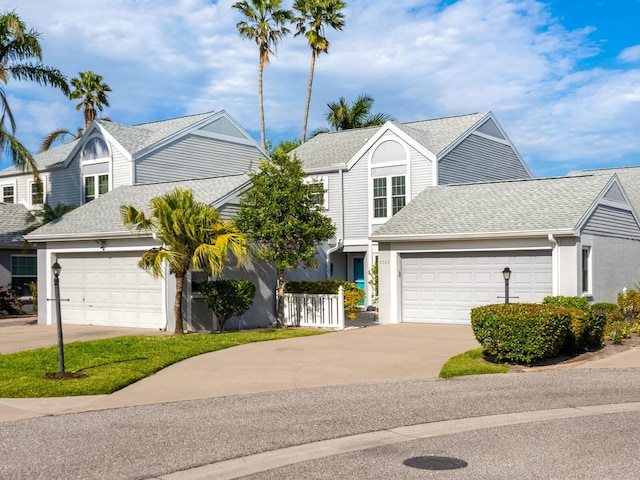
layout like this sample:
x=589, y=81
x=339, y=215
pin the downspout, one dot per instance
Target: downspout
x=340, y=242
x=555, y=264
x=327, y=259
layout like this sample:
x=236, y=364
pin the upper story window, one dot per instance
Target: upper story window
x=8, y=194
x=94, y=149
x=319, y=194
x=37, y=193
x=385, y=197
x=95, y=186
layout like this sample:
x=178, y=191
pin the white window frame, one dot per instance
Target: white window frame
x=586, y=254
x=324, y=181
x=96, y=186
x=388, y=196
x=33, y=204
x=3, y=199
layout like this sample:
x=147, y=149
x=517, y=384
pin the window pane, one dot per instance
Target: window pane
x=103, y=184
x=95, y=148
x=22, y=266
x=585, y=269
x=36, y=193
x=7, y=194
x=398, y=190
x=89, y=188
x=317, y=194
x=380, y=207
x=379, y=187
x=379, y=197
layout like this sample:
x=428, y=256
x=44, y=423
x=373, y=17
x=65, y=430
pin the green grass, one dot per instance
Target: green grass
x=471, y=363
x=112, y=364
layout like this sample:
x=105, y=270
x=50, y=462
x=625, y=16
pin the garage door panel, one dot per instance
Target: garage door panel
x=445, y=287
x=111, y=290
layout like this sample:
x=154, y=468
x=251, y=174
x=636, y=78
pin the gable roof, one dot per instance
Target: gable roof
x=509, y=208
x=336, y=149
x=12, y=223
x=132, y=138
x=629, y=178
x=100, y=218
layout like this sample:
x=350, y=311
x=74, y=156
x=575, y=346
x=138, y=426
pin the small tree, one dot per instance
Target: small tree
x=281, y=216
x=192, y=233
x=228, y=298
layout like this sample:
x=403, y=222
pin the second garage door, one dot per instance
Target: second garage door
x=443, y=288
x=109, y=289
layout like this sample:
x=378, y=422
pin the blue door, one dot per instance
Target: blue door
x=358, y=274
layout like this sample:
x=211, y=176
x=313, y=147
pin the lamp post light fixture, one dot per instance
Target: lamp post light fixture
x=56, y=268
x=506, y=273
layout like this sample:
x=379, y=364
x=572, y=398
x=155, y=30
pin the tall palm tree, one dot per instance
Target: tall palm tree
x=192, y=233
x=265, y=24
x=90, y=88
x=313, y=16
x=19, y=46
x=343, y=116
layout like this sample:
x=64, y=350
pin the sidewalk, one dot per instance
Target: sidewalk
x=373, y=354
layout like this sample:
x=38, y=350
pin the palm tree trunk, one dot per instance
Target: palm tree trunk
x=282, y=281
x=177, y=305
x=309, y=85
x=262, y=135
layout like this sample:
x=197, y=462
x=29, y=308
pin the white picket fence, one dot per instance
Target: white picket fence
x=314, y=310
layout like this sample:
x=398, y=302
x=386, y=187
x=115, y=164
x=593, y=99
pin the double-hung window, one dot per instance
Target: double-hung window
x=94, y=186
x=8, y=194
x=23, y=271
x=388, y=201
x=37, y=193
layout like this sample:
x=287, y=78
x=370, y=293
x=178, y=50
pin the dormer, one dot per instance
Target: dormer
x=95, y=164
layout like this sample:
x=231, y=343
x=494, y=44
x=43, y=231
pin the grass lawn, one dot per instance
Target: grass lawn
x=114, y=363
x=470, y=363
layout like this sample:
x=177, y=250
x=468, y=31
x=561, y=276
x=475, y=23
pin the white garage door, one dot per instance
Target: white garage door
x=445, y=287
x=109, y=289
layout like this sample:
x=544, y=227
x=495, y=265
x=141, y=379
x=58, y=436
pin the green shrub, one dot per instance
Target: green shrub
x=520, y=332
x=617, y=331
x=635, y=327
x=228, y=298
x=353, y=296
x=629, y=303
x=568, y=302
x=586, y=330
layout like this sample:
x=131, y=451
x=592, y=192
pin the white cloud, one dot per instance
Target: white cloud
x=418, y=59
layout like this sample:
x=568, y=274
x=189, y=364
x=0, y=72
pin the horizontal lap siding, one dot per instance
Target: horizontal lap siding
x=478, y=159
x=356, y=200
x=196, y=157
x=121, y=170
x=421, y=171
x=612, y=222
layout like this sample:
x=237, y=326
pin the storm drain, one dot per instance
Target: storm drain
x=435, y=463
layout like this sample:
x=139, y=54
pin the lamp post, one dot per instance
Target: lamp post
x=506, y=273
x=56, y=282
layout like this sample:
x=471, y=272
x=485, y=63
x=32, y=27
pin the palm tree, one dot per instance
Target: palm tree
x=344, y=116
x=93, y=92
x=192, y=233
x=314, y=16
x=19, y=46
x=265, y=24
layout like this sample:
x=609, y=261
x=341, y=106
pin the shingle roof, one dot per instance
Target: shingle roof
x=520, y=206
x=102, y=215
x=133, y=138
x=335, y=149
x=629, y=178
x=12, y=222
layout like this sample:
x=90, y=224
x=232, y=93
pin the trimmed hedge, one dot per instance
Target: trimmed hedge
x=352, y=294
x=521, y=332
x=586, y=329
x=568, y=302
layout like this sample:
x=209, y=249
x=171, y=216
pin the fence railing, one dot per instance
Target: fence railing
x=324, y=310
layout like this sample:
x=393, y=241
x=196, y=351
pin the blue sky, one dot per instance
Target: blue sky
x=561, y=76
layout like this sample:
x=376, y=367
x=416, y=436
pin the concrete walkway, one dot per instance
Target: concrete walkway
x=373, y=354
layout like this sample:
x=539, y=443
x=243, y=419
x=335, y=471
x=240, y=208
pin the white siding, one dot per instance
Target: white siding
x=478, y=159
x=121, y=169
x=356, y=201
x=196, y=157
x=421, y=171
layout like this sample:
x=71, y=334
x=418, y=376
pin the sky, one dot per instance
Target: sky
x=562, y=77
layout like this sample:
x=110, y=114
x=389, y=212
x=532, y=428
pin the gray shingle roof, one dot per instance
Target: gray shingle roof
x=101, y=217
x=133, y=138
x=335, y=149
x=12, y=223
x=537, y=205
x=629, y=178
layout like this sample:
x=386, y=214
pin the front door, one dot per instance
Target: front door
x=358, y=274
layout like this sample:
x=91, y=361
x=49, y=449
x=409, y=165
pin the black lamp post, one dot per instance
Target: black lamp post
x=506, y=273
x=56, y=282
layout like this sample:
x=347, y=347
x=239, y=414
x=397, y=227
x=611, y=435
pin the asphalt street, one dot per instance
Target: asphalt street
x=155, y=441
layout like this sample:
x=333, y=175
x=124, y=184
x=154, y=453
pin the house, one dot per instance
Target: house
x=101, y=282
x=107, y=157
x=17, y=267
x=444, y=253
x=370, y=174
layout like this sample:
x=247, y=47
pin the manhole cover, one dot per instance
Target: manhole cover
x=435, y=463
